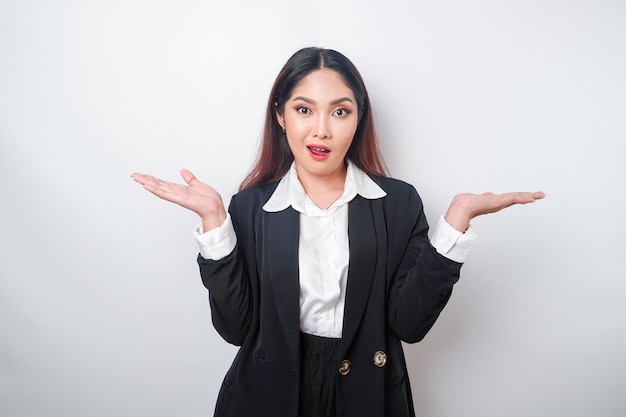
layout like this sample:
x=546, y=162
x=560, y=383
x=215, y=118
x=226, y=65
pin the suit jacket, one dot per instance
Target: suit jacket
x=397, y=285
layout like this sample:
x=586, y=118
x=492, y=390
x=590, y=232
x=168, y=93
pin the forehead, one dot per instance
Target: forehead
x=323, y=83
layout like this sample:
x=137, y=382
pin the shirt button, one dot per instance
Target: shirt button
x=380, y=359
x=344, y=369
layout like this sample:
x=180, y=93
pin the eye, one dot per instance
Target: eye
x=342, y=112
x=303, y=110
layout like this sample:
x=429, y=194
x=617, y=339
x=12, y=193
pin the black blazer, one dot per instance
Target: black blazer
x=397, y=286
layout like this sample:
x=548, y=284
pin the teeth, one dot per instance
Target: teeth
x=318, y=149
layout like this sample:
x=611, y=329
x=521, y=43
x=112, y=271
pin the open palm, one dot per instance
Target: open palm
x=466, y=206
x=196, y=196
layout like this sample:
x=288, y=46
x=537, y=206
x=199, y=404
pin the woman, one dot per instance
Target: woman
x=322, y=265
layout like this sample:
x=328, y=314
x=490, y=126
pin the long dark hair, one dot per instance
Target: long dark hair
x=275, y=157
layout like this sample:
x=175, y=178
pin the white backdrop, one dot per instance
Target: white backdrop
x=102, y=312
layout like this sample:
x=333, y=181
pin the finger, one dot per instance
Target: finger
x=143, y=178
x=531, y=197
x=137, y=177
x=524, y=197
x=165, y=190
x=155, y=187
x=188, y=176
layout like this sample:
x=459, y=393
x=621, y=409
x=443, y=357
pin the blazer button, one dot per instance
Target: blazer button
x=344, y=369
x=380, y=359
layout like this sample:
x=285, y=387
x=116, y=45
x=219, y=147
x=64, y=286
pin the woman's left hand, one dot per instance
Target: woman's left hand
x=466, y=206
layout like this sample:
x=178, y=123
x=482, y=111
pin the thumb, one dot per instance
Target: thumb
x=188, y=176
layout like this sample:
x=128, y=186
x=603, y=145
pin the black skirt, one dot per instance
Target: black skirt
x=318, y=375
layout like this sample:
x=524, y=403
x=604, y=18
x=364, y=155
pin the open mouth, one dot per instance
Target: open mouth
x=318, y=151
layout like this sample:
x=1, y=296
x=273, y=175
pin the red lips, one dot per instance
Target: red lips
x=318, y=152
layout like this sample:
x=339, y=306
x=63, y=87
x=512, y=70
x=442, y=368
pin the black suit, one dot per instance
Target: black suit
x=397, y=286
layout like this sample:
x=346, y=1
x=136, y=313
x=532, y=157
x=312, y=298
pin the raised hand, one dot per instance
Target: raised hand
x=466, y=206
x=196, y=196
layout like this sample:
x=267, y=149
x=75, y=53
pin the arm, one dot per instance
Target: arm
x=228, y=282
x=226, y=278
x=423, y=283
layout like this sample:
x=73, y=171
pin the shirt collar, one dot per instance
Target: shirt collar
x=290, y=192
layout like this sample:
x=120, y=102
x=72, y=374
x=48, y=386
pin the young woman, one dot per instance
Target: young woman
x=322, y=264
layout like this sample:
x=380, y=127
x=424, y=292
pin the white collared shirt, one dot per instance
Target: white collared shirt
x=324, y=251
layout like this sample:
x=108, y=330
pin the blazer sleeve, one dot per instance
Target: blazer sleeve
x=228, y=282
x=421, y=285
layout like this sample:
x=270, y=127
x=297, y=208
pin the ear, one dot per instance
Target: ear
x=280, y=118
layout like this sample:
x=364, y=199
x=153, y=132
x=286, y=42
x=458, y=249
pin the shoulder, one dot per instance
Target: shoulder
x=402, y=206
x=397, y=190
x=254, y=197
x=247, y=205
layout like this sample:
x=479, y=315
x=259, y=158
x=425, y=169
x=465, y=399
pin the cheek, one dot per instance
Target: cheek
x=347, y=135
x=292, y=144
x=297, y=129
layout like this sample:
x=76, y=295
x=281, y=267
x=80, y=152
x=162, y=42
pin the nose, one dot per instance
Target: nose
x=321, y=129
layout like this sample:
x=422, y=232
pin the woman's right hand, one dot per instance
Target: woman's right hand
x=196, y=196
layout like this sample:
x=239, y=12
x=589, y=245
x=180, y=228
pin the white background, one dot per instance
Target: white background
x=102, y=312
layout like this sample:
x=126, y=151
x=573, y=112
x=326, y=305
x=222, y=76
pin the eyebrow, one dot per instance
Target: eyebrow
x=334, y=102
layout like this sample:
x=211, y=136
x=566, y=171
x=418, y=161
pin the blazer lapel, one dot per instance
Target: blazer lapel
x=362, y=238
x=283, y=230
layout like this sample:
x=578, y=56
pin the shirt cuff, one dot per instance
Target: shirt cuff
x=451, y=243
x=217, y=243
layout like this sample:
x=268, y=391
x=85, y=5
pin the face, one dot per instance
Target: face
x=320, y=119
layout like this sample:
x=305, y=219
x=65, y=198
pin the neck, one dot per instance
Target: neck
x=324, y=190
x=330, y=182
